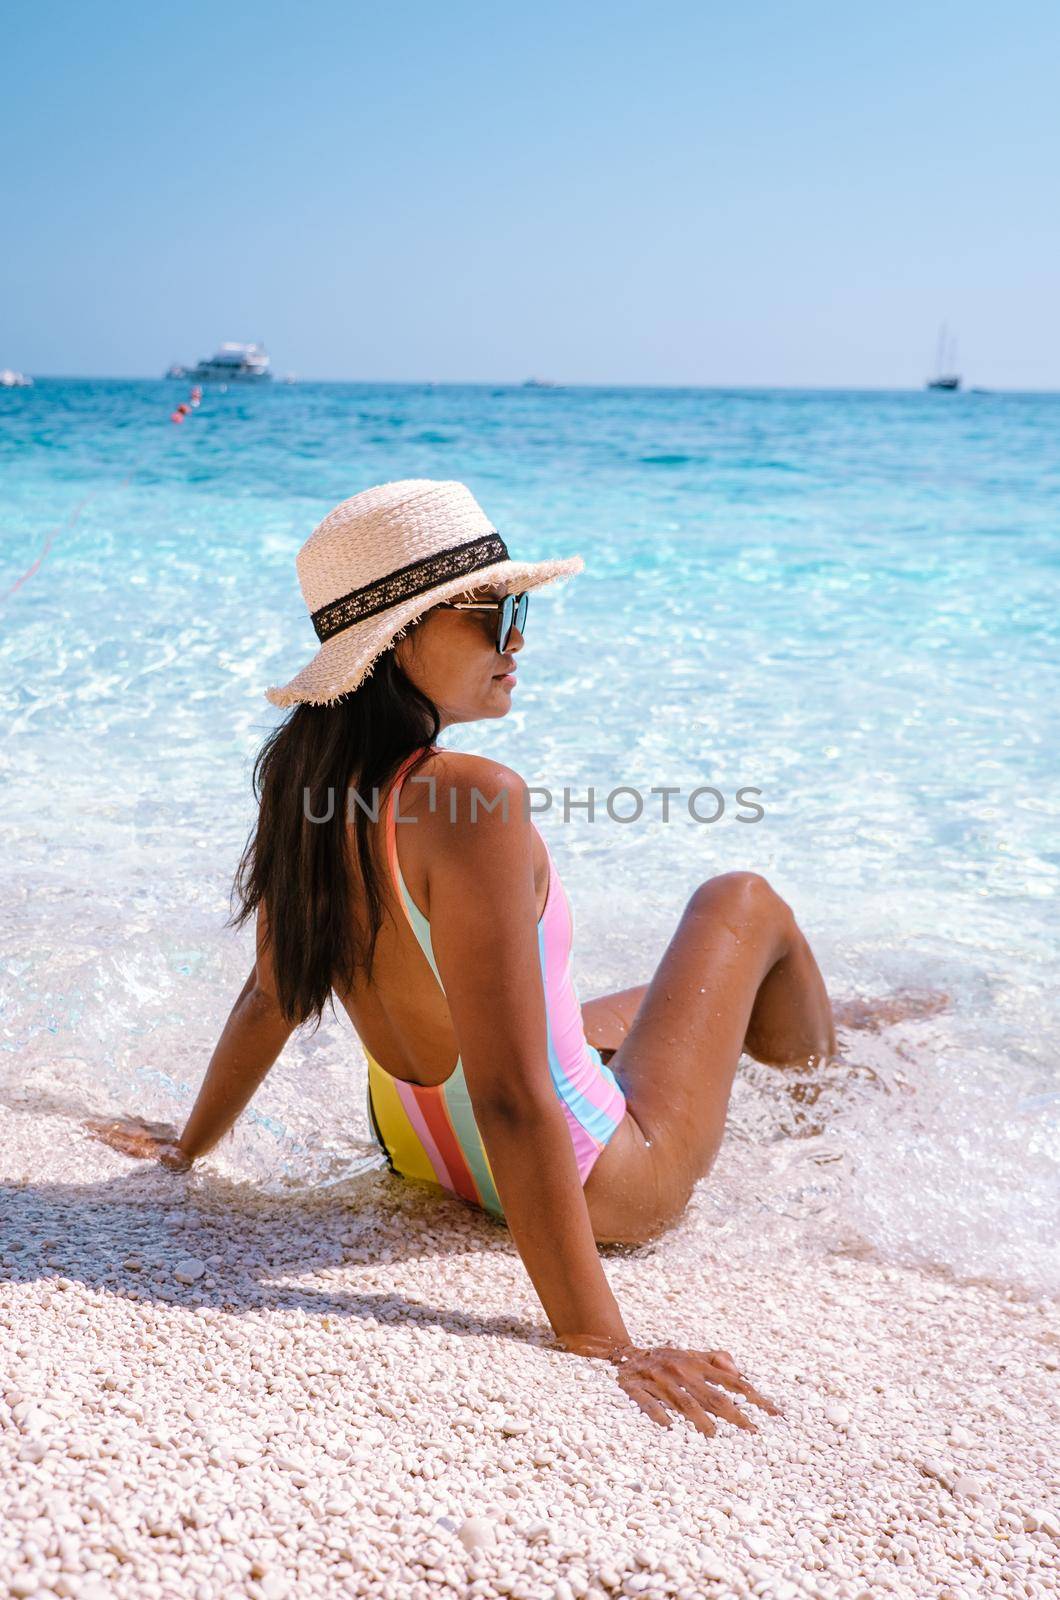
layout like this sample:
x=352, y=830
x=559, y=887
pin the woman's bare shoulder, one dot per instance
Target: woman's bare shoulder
x=464, y=771
x=476, y=800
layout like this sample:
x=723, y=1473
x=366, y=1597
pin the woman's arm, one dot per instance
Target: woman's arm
x=484, y=933
x=253, y=1036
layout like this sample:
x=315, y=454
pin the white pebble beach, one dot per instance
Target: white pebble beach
x=208, y=1392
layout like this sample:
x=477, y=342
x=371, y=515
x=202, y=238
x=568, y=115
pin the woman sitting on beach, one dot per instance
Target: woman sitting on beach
x=449, y=941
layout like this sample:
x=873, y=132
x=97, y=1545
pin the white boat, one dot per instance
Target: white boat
x=14, y=380
x=233, y=363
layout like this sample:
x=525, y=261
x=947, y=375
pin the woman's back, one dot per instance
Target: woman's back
x=418, y=1100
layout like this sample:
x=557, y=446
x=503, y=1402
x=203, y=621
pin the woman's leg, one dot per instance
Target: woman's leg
x=608, y=1018
x=737, y=975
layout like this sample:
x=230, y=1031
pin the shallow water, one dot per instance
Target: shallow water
x=848, y=602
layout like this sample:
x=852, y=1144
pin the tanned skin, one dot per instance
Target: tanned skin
x=737, y=977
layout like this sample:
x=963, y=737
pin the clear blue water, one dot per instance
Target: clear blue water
x=849, y=602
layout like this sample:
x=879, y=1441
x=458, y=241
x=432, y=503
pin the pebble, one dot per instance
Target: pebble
x=836, y=1413
x=940, y=1470
x=476, y=1533
x=33, y=1420
x=274, y=1586
x=189, y=1270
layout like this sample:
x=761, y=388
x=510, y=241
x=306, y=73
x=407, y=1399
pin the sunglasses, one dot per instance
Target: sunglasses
x=511, y=612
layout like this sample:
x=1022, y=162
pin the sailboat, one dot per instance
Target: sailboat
x=945, y=361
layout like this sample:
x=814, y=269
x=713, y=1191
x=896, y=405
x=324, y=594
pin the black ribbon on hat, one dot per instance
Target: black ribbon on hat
x=417, y=578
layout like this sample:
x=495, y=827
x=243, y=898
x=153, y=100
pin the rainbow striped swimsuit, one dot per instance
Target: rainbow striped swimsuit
x=430, y=1134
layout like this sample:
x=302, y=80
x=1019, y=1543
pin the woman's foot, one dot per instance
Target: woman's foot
x=804, y=1092
x=865, y=1016
x=869, y=1016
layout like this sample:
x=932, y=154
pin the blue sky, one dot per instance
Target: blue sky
x=686, y=193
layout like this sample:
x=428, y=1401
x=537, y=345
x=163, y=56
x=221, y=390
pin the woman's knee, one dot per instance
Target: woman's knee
x=749, y=893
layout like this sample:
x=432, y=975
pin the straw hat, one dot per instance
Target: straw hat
x=382, y=559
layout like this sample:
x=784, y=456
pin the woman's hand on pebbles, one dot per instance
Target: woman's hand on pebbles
x=134, y=1136
x=695, y=1383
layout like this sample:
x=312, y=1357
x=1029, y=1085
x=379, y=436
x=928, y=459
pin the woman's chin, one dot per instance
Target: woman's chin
x=498, y=700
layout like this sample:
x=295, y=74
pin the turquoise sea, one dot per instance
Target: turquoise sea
x=849, y=602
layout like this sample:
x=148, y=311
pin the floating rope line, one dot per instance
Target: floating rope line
x=70, y=522
x=75, y=515
x=62, y=527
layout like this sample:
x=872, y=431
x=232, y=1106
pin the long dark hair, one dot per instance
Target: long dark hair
x=299, y=866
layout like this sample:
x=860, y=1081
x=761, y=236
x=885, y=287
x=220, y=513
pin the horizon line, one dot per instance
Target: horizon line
x=522, y=383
